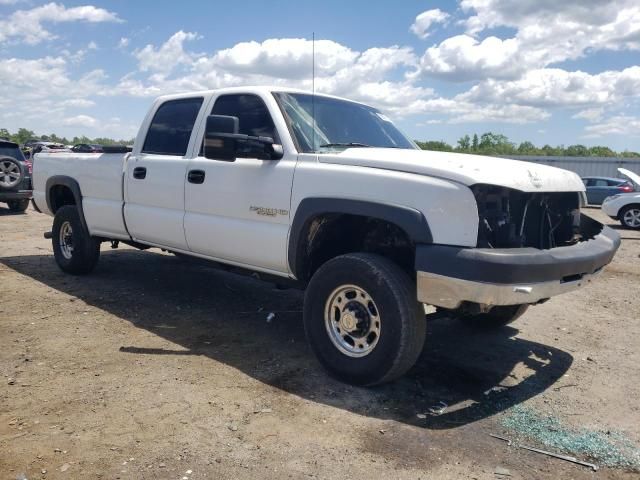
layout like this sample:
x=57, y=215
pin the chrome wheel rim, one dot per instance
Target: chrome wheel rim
x=9, y=174
x=352, y=320
x=632, y=217
x=66, y=240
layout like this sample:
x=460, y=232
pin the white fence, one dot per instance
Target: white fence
x=587, y=166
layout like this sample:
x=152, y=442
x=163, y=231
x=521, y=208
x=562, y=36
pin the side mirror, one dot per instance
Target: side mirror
x=223, y=142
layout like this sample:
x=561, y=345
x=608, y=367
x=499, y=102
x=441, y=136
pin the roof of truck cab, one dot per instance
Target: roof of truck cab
x=250, y=89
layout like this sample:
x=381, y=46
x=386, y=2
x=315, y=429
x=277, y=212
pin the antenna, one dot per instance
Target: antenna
x=313, y=87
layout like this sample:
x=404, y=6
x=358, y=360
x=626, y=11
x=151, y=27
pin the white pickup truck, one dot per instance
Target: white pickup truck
x=327, y=194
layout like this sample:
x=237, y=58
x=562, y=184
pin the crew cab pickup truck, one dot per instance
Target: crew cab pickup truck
x=329, y=195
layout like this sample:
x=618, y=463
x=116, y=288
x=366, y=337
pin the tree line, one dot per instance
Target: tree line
x=490, y=143
x=24, y=135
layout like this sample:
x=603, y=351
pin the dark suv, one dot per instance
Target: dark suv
x=15, y=177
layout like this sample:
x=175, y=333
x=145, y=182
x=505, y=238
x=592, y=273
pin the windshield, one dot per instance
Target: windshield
x=339, y=124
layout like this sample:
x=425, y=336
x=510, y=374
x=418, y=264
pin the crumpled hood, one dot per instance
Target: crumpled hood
x=462, y=168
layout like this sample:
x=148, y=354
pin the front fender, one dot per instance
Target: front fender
x=410, y=220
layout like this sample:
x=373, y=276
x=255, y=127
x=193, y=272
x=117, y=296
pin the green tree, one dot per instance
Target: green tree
x=474, y=143
x=527, y=148
x=576, y=151
x=436, y=145
x=600, y=151
x=22, y=136
x=464, y=143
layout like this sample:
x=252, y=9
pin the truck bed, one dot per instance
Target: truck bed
x=100, y=176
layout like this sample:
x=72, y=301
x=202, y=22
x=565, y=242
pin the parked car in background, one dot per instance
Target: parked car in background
x=87, y=148
x=49, y=147
x=625, y=207
x=15, y=177
x=599, y=188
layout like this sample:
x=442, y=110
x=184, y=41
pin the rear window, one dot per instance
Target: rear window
x=11, y=150
x=171, y=127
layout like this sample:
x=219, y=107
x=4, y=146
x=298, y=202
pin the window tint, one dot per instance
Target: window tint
x=253, y=115
x=600, y=183
x=171, y=127
x=10, y=150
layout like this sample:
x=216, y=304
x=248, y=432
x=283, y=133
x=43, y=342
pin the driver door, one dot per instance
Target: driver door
x=238, y=211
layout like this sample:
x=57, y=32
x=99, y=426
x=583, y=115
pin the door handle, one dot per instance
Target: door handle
x=140, y=173
x=195, y=176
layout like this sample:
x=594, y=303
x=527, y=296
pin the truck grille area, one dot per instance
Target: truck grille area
x=513, y=219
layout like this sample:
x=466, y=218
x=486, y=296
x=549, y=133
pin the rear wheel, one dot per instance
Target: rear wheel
x=18, y=205
x=362, y=319
x=496, y=317
x=630, y=216
x=75, y=251
x=11, y=173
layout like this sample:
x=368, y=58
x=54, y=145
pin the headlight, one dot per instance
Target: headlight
x=608, y=199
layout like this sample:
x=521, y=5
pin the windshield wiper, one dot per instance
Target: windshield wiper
x=349, y=144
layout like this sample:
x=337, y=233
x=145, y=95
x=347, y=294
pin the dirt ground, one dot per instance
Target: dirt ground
x=152, y=368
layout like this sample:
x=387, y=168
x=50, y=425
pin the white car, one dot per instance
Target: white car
x=328, y=195
x=625, y=206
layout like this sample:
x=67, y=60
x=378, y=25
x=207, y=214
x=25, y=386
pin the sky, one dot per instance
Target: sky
x=549, y=71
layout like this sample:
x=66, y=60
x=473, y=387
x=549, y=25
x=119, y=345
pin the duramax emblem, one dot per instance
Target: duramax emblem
x=269, y=212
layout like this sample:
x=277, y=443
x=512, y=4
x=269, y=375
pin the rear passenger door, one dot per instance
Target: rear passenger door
x=155, y=177
x=599, y=191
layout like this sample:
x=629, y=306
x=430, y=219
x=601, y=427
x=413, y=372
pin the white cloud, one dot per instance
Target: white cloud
x=284, y=58
x=168, y=56
x=590, y=114
x=626, y=125
x=554, y=87
x=425, y=20
x=459, y=110
x=463, y=58
x=547, y=32
x=77, y=103
x=80, y=121
x=123, y=42
x=28, y=25
x=284, y=61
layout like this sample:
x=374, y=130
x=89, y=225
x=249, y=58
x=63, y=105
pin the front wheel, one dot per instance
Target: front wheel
x=630, y=216
x=18, y=206
x=362, y=319
x=75, y=251
x=496, y=317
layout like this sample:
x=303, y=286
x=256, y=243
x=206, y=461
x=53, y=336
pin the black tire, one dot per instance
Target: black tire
x=12, y=172
x=628, y=222
x=496, y=317
x=401, y=326
x=84, y=253
x=18, y=205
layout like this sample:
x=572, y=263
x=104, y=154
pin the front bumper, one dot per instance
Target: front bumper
x=449, y=276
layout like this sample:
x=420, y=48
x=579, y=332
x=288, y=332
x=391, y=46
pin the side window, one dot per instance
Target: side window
x=253, y=115
x=600, y=183
x=171, y=127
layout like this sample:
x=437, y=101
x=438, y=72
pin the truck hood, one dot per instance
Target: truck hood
x=462, y=168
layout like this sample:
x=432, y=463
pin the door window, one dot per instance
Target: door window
x=252, y=113
x=171, y=127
